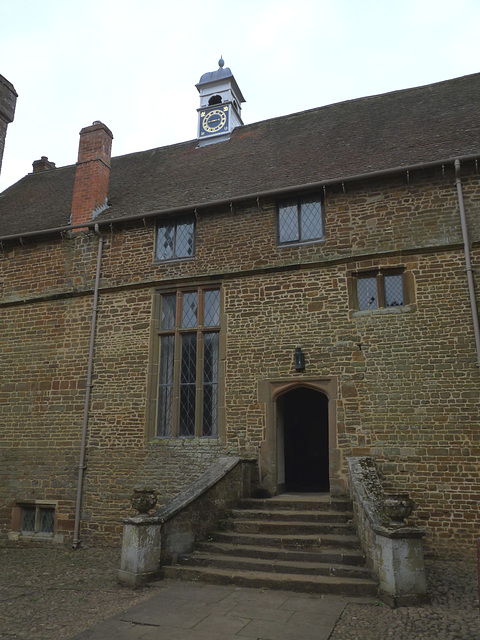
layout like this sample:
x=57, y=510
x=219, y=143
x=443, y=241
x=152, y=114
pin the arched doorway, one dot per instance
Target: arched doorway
x=303, y=435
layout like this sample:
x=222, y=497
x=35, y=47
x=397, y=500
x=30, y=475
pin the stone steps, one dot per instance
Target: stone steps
x=291, y=516
x=297, y=542
x=295, y=528
x=267, y=580
x=290, y=541
x=298, y=501
x=305, y=567
x=352, y=557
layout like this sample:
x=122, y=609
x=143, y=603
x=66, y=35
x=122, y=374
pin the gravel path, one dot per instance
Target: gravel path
x=452, y=614
x=53, y=594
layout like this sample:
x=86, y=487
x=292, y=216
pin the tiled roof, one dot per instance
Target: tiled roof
x=402, y=128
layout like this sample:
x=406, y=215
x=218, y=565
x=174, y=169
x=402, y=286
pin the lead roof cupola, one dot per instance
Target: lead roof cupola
x=220, y=105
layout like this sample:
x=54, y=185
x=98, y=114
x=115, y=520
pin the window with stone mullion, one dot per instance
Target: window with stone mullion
x=187, y=396
x=380, y=289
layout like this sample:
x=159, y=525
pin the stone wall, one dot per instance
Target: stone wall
x=408, y=385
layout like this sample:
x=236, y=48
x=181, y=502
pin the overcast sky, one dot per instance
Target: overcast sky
x=134, y=64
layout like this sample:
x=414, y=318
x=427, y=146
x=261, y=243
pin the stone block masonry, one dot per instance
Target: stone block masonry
x=8, y=101
x=408, y=386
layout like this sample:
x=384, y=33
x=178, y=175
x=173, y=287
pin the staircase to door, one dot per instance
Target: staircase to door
x=297, y=542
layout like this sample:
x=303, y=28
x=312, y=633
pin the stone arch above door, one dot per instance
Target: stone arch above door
x=269, y=391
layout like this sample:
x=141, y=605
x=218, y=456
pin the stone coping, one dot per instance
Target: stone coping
x=369, y=491
x=204, y=482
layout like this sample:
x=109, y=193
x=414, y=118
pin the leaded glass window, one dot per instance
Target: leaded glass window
x=381, y=289
x=300, y=220
x=188, y=384
x=47, y=519
x=165, y=385
x=394, y=290
x=37, y=519
x=367, y=293
x=188, y=371
x=28, y=519
x=175, y=239
x=210, y=384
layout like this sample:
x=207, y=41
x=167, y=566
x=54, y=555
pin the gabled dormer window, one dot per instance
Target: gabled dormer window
x=175, y=239
x=300, y=220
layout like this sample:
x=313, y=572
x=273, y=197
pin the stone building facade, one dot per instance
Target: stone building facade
x=151, y=327
x=8, y=102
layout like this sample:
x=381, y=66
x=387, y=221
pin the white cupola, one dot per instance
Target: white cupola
x=220, y=105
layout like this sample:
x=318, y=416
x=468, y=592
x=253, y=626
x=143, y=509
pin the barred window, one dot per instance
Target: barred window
x=300, y=220
x=188, y=373
x=175, y=239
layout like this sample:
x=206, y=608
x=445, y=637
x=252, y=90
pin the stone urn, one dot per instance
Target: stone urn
x=143, y=499
x=397, y=507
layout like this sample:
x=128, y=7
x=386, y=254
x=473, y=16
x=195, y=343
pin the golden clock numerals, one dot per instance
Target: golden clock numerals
x=214, y=120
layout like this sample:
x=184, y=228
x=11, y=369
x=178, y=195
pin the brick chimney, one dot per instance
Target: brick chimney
x=44, y=164
x=92, y=174
x=8, y=101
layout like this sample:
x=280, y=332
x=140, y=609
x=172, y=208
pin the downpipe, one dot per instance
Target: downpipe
x=88, y=389
x=468, y=263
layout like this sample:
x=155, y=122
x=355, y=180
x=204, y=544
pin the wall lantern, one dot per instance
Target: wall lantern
x=299, y=359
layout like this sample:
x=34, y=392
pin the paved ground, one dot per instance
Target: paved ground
x=53, y=594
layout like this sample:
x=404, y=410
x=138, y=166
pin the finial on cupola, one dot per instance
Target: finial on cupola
x=221, y=62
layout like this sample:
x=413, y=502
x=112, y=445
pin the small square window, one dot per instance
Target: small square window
x=300, y=220
x=380, y=290
x=35, y=519
x=175, y=239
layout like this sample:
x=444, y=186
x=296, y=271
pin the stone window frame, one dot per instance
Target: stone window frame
x=162, y=223
x=154, y=366
x=379, y=273
x=300, y=200
x=39, y=506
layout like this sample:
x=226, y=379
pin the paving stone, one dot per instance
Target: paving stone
x=185, y=616
x=54, y=594
x=262, y=597
x=315, y=604
x=225, y=625
x=115, y=629
x=195, y=591
x=270, y=630
x=258, y=612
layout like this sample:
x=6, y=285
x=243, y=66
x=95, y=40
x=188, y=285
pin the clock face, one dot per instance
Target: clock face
x=214, y=120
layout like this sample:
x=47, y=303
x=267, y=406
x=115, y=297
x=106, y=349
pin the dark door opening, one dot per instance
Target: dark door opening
x=305, y=422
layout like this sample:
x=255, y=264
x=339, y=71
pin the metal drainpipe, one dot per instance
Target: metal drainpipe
x=81, y=464
x=468, y=264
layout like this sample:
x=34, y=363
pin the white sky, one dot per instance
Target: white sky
x=134, y=65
